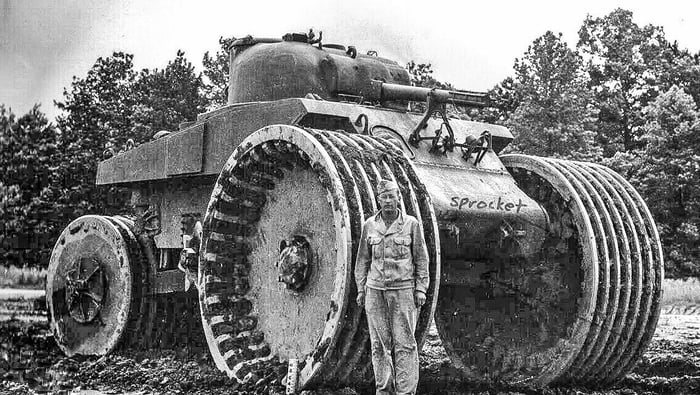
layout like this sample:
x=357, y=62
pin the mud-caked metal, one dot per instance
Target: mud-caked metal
x=541, y=269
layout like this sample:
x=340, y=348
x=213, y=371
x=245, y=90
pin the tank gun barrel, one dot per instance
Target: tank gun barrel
x=397, y=92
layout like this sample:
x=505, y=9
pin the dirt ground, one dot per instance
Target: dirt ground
x=30, y=362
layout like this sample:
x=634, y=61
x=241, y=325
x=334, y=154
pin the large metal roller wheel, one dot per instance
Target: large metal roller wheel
x=279, y=241
x=524, y=320
x=94, y=286
x=614, y=301
x=652, y=279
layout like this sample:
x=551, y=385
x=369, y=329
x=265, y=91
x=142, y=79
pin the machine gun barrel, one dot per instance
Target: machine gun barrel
x=396, y=92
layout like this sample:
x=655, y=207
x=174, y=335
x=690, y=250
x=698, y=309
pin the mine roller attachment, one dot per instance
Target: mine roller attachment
x=98, y=292
x=94, y=286
x=279, y=241
x=582, y=310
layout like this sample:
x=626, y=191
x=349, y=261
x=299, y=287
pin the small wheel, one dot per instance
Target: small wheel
x=89, y=287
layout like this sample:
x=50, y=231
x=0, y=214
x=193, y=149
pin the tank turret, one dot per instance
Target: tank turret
x=263, y=69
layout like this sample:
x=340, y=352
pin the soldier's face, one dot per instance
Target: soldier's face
x=389, y=200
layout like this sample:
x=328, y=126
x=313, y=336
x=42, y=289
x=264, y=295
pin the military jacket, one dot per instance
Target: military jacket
x=394, y=258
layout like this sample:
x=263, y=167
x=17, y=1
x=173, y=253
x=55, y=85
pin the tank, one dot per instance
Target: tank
x=243, y=227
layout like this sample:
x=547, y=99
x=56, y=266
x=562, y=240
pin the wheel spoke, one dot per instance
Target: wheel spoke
x=94, y=256
x=72, y=301
x=82, y=310
x=96, y=298
x=97, y=304
x=80, y=268
x=70, y=278
x=95, y=270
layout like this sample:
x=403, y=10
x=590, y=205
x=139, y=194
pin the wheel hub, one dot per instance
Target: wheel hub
x=293, y=263
x=84, y=289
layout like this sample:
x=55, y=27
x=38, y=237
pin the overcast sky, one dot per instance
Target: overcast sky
x=471, y=44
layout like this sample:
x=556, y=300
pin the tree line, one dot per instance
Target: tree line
x=50, y=168
x=625, y=96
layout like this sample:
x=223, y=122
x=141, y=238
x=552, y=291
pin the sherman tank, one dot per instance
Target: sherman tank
x=243, y=227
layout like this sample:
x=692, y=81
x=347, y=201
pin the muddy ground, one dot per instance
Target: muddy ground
x=30, y=362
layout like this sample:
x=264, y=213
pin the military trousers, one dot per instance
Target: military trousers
x=392, y=316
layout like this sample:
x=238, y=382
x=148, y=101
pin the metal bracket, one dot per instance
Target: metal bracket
x=508, y=237
x=313, y=40
x=351, y=52
x=477, y=146
x=350, y=98
x=445, y=144
x=190, y=250
x=362, y=124
x=148, y=221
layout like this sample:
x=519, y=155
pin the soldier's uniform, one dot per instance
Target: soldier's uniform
x=391, y=265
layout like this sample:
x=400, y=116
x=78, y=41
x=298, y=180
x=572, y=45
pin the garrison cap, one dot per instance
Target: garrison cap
x=386, y=185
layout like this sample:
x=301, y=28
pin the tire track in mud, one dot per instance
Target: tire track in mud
x=681, y=310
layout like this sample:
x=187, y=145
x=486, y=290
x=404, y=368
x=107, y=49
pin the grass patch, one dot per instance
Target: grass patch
x=681, y=292
x=676, y=291
x=22, y=277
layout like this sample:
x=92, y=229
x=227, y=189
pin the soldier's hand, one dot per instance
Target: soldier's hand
x=361, y=299
x=419, y=298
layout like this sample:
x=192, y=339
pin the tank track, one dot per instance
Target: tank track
x=629, y=271
x=239, y=195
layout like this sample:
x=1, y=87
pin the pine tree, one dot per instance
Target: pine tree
x=666, y=170
x=216, y=70
x=556, y=110
x=28, y=187
x=625, y=66
x=167, y=97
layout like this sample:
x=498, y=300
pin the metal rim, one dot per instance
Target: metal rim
x=652, y=274
x=567, y=349
x=321, y=161
x=632, y=295
x=620, y=276
x=607, y=251
x=114, y=256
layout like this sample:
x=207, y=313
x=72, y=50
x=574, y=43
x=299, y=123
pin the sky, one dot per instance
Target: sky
x=471, y=44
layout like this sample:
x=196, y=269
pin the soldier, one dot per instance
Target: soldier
x=391, y=273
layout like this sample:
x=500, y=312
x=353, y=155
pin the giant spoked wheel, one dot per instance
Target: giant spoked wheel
x=279, y=241
x=93, y=286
